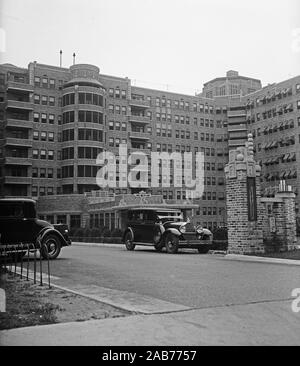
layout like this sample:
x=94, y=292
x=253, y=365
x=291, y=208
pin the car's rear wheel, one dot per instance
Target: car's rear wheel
x=171, y=243
x=129, y=241
x=50, y=247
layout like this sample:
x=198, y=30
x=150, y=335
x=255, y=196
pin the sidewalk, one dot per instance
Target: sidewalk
x=268, y=323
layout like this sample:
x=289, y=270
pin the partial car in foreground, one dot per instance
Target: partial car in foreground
x=19, y=225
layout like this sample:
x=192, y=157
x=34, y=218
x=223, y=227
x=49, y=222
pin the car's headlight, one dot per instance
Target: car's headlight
x=66, y=231
x=182, y=229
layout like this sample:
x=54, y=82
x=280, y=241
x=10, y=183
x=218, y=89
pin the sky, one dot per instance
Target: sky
x=174, y=45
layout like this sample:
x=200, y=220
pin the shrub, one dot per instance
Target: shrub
x=116, y=233
x=106, y=232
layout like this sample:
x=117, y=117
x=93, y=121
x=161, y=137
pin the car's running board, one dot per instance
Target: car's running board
x=141, y=243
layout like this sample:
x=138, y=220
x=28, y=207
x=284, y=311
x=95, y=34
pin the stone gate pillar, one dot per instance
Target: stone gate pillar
x=244, y=210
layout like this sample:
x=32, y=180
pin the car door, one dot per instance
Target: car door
x=12, y=224
x=148, y=225
x=136, y=224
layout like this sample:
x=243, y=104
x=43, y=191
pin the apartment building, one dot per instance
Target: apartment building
x=55, y=121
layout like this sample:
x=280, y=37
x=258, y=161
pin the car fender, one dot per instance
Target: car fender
x=49, y=230
x=172, y=231
x=126, y=231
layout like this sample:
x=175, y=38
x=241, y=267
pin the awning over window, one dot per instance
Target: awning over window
x=293, y=156
x=281, y=124
x=285, y=157
x=282, y=175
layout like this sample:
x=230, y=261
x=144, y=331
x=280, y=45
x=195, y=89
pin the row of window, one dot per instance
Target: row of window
x=117, y=109
x=83, y=98
x=44, y=82
x=43, y=154
x=117, y=93
x=84, y=152
x=83, y=116
x=43, y=136
x=42, y=191
x=276, y=95
x=284, y=125
x=44, y=118
x=117, y=126
x=42, y=172
x=44, y=100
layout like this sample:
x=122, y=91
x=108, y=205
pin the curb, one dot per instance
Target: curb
x=246, y=258
x=79, y=243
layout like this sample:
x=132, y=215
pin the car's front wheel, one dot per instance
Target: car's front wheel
x=129, y=241
x=172, y=243
x=50, y=247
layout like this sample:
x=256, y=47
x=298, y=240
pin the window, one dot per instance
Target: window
x=111, y=92
x=36, y=117
x=44, y=100
x=34, y=172
x=124, y=110
x=43, y=136
x=52, y=101
x=123, y=94
x=37, y=81
x=45, y=82
x=44, y=117
x=35, y=135
x=35, y=154
x=51, y=119
x=43, y=154
x=50, y=155
x=51, y=136
x=52, y=83
x=36, y=99
x=42, y=172
x=117, y=93
x=50, y=172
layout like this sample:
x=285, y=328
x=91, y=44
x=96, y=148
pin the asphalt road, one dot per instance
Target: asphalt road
x=188, y=278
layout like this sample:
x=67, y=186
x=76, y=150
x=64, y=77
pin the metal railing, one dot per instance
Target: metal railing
x=16, y=258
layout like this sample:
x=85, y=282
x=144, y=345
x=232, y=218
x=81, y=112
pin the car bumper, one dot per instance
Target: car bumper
x=194, y=243
x=190, y=240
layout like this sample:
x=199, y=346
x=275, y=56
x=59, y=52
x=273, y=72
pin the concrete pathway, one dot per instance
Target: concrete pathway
x=271, y=323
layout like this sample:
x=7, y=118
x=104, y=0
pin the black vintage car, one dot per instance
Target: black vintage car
x=164, y=228
x=19, y=224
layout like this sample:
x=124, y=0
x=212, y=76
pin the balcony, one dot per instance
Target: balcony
x=139, y=103
x=240, y=113
x=16, y=104
x=14, y=160
x=17, y=180
x=15, y=85
x=139, y=135
x=139, y=150
x=238, y=142
x=12, y=141
x=12, y=122
x=139, y=119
